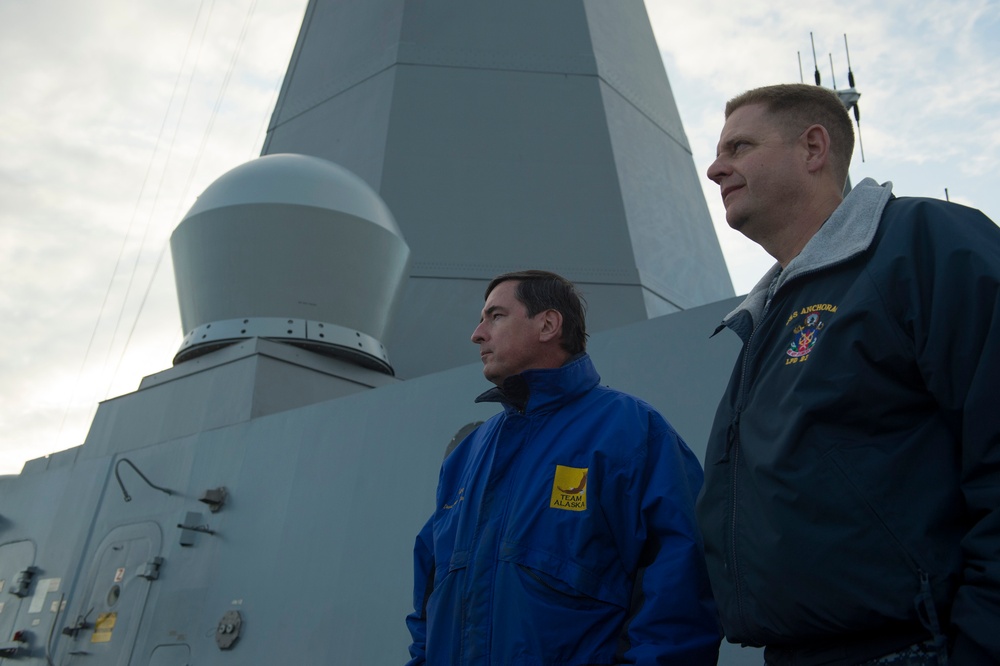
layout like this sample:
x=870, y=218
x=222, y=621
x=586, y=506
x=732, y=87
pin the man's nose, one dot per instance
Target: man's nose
x=716, y=170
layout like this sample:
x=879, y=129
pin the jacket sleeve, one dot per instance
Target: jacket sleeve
x=423, y=585
x=956, y=330
x=673, y=618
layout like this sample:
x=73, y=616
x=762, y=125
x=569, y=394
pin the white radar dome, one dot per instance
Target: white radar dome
x=291, y=248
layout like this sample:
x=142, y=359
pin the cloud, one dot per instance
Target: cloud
x=929, y=96
x=117, y=114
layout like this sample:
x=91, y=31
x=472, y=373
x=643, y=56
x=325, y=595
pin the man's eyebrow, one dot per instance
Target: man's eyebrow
x=490, y=310
x=728, y=143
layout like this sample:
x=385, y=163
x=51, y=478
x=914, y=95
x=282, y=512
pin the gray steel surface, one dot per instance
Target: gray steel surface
x=313, y=543
x=257, y=504
x=506, y=136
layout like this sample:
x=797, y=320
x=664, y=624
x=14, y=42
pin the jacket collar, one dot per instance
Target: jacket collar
x=847, y=233
x=545, y=389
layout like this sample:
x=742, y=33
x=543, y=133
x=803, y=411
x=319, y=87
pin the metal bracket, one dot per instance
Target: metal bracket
x=151, y=570
x=78, y=626
x=214, y=498
x=22, y=584
x=190, y=526
x=228, y=631
x=196, y=528
x=9, y=650
x=75, y=628
x=16, y=645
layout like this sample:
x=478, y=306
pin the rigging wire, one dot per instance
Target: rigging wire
x=191, y=174
x=258, y=144
x=128, y=232
x=149, y=219
x=218, y=103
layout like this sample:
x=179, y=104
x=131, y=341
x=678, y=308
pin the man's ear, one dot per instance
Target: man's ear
x=816, y=141
x=551, y=325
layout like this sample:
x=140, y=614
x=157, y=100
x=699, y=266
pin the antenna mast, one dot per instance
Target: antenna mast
x=848, y=96
x=815, y=63
x=850, y=74
x=857, y=112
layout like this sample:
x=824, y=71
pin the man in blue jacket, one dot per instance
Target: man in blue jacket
x=851, y=509
x=564, y=531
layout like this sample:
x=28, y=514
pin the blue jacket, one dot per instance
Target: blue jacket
x=564, y=534
x=852, y=480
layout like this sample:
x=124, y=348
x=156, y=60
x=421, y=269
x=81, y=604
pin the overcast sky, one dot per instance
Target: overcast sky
x=116, y=114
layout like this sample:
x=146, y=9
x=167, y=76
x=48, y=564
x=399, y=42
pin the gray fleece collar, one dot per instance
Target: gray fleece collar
x=846, y=233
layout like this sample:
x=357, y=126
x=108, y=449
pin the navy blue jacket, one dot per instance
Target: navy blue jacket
x=565, y=534
x=852, y=490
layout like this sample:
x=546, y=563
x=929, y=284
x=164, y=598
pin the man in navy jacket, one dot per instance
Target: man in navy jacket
x=851, y=509
x=564, y=531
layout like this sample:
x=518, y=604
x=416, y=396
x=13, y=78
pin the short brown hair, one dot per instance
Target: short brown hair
x=799, y=106
x=541, y=290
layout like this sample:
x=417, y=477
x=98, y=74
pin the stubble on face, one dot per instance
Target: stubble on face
x=508, y=338
x=754, y=170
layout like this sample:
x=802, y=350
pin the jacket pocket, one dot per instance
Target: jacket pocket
x=567, y=577
x=874, y=515
x=554, y=611
x=447, y=598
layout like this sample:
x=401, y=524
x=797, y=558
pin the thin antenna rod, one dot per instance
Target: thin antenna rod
x=861, y=144
x=946, y=194
x=832, y=74
x=802, y=78
x=850, y=82
x=850, y=74
x=815, y=63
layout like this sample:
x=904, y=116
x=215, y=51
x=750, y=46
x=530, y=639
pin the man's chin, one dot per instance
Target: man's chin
x=492, y=377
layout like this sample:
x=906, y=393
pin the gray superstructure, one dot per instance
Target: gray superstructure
x=506, y=135
x=257, y=502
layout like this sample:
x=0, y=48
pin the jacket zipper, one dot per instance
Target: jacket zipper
x=924, y=601
x=512, y=469
x=734, y=436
